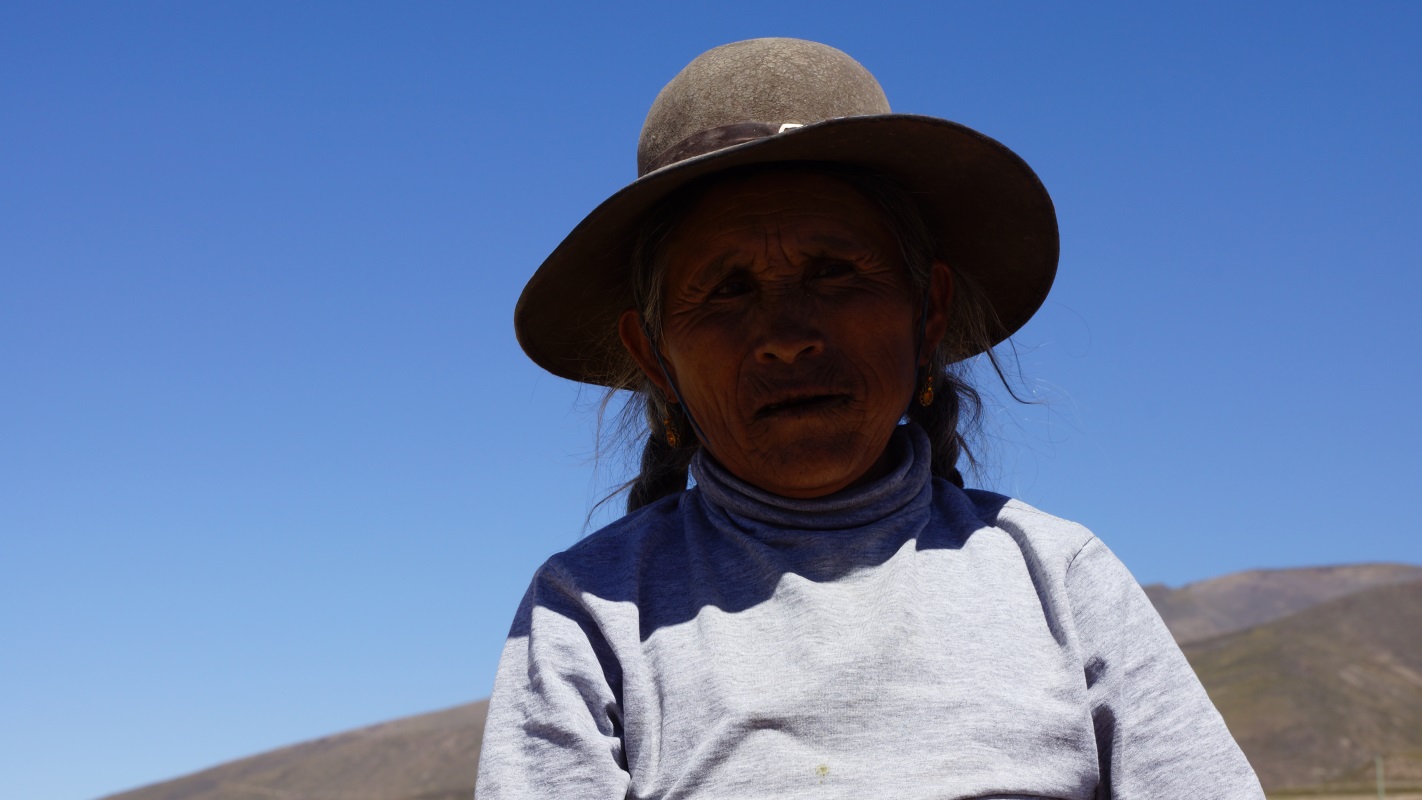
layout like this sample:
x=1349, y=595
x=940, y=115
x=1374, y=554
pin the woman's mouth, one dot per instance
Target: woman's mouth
x=801, y=406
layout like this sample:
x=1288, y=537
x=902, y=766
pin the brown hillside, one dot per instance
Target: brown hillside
x=1245, y=599
x=1312, y=698
x=427, y=757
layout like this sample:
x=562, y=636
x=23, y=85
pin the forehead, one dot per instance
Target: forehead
x=746, y=209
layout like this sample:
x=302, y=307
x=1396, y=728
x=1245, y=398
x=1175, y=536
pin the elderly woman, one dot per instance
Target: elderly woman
x=791, y=287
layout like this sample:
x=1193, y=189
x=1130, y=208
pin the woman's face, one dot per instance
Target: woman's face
x=791, y=329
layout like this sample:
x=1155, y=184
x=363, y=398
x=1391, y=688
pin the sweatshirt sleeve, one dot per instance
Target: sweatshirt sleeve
x=554, y=727
x=1158, y=735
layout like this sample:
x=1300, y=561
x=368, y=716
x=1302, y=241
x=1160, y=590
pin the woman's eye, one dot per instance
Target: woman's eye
x=731, y=287
x=833, y=269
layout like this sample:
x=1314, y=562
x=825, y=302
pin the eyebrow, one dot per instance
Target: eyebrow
x=722, y=262
x=839, y=242
x=823, y=239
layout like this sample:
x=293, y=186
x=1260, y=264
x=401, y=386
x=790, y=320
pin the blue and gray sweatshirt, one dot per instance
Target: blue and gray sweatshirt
x=906, y=639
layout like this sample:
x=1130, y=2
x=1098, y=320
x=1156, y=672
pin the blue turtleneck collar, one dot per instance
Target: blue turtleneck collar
x=908, y=482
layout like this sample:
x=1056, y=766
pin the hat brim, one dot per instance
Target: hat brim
x=991, y=215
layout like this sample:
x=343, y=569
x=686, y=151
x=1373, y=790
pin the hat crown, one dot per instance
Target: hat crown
x=774, y=81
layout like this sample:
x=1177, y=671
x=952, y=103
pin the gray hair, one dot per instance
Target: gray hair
x=951, y=420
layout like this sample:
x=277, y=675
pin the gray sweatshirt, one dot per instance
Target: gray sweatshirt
x=906, y=639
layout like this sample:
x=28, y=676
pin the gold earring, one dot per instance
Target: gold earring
x=673, y=439
x=925, y=397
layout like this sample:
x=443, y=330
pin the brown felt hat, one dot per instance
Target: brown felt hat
x=786, y=100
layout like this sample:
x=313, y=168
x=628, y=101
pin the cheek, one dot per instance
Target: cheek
x=705, y=369
x=892, y=371
x=883, y=341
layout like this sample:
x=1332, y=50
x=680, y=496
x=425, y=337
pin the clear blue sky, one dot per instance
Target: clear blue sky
x=273, y=466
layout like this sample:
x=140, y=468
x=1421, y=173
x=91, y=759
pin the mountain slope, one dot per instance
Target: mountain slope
x=427, y=757
x=1244, y=599
x=1311, y=696
x=1315, y=696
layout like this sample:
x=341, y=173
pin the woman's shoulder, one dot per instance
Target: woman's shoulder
x=615, y=554
x=1045, y=535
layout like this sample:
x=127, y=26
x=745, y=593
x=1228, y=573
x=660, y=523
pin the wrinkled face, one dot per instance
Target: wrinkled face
x=790, y=328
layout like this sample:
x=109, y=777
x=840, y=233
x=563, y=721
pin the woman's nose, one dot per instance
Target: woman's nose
x=791, y=332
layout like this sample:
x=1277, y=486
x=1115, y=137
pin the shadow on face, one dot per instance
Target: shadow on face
x=790, y=328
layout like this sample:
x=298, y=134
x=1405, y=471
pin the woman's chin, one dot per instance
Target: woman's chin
x=810, y=466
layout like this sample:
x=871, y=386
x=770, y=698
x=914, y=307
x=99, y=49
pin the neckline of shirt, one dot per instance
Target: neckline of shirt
x=906, y=480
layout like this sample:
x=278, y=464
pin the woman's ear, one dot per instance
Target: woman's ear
x=634, y=338
x=940, y=300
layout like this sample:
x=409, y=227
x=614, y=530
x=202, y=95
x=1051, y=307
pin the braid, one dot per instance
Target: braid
x=664, y=468
x=941, y=421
